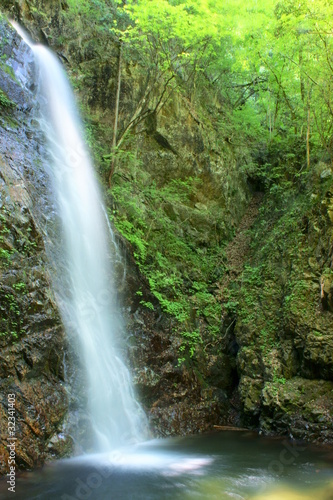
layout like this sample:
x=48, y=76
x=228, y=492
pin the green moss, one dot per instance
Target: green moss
x=156, y=220
x=5, y=102
x=11, y=316
x=8, y=69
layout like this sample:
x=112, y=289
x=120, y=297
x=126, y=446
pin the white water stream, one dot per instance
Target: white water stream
x=86, y=293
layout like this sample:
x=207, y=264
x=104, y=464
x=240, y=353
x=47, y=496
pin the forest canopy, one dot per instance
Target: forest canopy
x=270, y=61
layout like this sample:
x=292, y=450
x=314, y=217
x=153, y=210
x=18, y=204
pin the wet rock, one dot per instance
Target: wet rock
x=250, y=392
x=31, y=338
x=185, y=417
x=303, y=407
x=60, y=445
x=145, y=378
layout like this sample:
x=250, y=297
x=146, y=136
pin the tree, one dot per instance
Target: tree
x=170, y=42
x=269, y=63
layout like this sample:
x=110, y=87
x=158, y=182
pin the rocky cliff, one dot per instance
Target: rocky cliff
x=33, y=346
x=279, y=312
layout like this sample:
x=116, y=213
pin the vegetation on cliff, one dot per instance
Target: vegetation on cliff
x=261, y=77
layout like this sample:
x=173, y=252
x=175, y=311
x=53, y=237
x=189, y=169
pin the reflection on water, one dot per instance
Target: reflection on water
x=217, y=466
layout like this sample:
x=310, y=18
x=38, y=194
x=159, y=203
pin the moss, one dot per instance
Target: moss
x=281, y=301
x=7, y=69
x=159, y=223
x=299, y=402
x=5, y=102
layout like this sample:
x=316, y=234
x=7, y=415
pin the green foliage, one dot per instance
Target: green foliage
x=172, y=34
x=11, y=321
x=274, y=71
x=231, y=306
x=297, y=297
x=38, y=12
x=5, y=254
x=6, y=68
x=271, y=78
x=20, y=286
x=94, y=16
x=298, y=33
x=149, y=305
x=5, y=102
x=179, y=274
x=275, y=385
x=192, y=339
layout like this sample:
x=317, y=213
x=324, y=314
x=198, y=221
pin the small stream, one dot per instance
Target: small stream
x=226, y=465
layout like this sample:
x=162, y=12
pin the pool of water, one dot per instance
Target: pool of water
x=226, y=465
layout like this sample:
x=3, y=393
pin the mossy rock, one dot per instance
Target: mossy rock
x=301, y=407
x=250, y=392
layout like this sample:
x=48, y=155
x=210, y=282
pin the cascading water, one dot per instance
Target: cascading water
x=84, y=291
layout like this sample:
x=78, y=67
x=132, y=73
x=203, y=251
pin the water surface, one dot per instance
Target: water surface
x=226, y=465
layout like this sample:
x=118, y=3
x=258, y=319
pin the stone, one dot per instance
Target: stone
x=326, y=174
x=303, y=406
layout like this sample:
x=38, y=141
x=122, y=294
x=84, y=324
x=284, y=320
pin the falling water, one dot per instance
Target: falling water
x=85, y=295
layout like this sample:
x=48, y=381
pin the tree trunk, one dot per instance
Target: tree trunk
x=308, y=141
x=116, y=115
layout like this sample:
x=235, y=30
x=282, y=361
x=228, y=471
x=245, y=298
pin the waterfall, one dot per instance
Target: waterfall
x=85, y=289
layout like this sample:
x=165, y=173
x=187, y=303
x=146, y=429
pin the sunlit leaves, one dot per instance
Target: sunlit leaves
x=267, y=57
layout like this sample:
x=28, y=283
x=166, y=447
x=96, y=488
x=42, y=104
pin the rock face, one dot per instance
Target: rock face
x=303, y=407
x=282, y=317
x=178, y=398
x=33, y=347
